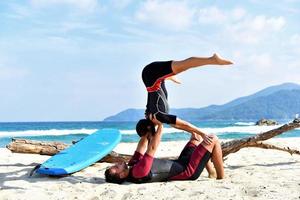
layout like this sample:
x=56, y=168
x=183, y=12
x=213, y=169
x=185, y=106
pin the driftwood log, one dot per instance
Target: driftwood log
x=255, y=141
x=51, y=148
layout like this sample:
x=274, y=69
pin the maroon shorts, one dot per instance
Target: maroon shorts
x=192, y=160
x=154, y=73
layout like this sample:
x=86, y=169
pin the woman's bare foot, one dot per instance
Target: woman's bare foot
x=174, y=79
x=220, y=61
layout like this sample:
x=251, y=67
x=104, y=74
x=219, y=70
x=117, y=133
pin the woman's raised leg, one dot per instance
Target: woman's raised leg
x=192, y=62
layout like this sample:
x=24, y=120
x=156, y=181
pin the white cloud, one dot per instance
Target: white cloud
x=84, y=5
x=121, y=4
x=68, y=26
x=19, y=11
x=263, y=63
x=211, y=15
x=167, y=14
x=239, y=25
x=238, y=13
x=291, y=50
x=259, y=66
x=214, y=15
x=295, y=39
x=262, y=23
x=10, y=73
x=252, y=30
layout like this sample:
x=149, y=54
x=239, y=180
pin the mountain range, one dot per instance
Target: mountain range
x=275, y=102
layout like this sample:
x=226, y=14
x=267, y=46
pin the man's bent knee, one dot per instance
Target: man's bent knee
x=214, y=138
x=214, y=141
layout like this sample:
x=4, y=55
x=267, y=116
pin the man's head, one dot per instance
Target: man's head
x=145, y=126
x=117, y=173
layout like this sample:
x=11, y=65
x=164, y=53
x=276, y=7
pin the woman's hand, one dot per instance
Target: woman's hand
x=207, y=139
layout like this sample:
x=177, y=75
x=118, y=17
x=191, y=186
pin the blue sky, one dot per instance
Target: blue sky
x=82, y=59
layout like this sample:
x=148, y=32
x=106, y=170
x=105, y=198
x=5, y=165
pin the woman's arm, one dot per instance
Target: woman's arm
x=186, y=126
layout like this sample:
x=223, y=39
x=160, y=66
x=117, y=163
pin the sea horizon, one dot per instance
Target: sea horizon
x=69, y=131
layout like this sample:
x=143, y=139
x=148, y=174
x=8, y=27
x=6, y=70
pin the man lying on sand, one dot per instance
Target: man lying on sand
x=153, y=76
x=143, y=167
x=194, y=157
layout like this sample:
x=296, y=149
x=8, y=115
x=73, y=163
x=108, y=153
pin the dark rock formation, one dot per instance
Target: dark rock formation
x=266, y=122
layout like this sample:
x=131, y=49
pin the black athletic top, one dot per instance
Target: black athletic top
x=153, y=76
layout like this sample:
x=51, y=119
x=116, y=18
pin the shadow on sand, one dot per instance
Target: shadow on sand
x=24, y=175
x=263, y=165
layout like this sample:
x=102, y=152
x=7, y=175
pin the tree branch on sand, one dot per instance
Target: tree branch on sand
x=235, y=145
x=51, y=148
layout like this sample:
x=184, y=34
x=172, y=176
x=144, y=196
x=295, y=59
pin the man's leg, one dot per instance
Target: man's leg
x=211, y=170
x=183, y=65
x=188, y=149
x=217, y=159
x=196, y=161
x=195, y=140
x=216, y=156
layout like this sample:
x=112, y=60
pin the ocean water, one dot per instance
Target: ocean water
x=73, y=131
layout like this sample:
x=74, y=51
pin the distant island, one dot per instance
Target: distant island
x=275, y=102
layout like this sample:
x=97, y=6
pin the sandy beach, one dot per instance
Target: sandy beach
x=250, y=174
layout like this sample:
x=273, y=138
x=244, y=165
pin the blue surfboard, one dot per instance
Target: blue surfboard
x=82, y=154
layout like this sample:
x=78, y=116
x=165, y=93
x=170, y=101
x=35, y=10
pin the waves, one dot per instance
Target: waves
x=239, y=127
x=166, y=130
x=69, y=133
x=54, y=132
x=244, y=123
x=222, y=130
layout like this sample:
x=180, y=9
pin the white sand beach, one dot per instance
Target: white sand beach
x=250, y=174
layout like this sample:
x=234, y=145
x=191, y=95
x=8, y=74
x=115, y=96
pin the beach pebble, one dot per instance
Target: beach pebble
x=127, y=196
x=109, y=193
x=95, y=198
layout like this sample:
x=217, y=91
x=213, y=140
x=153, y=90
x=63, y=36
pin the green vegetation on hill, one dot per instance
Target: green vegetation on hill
x=276, y=102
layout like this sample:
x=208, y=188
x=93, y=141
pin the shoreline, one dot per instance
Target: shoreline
x=250, y=173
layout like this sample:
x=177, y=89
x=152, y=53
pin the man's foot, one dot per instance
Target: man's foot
x=212, y=174
x=220, y=61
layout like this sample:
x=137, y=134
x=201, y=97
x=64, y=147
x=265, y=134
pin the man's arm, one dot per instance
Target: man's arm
x=142, y=145
x=139, y=152
x=155, y=140
x=143, y=167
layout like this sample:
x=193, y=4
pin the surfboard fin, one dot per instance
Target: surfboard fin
x=34, y=169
